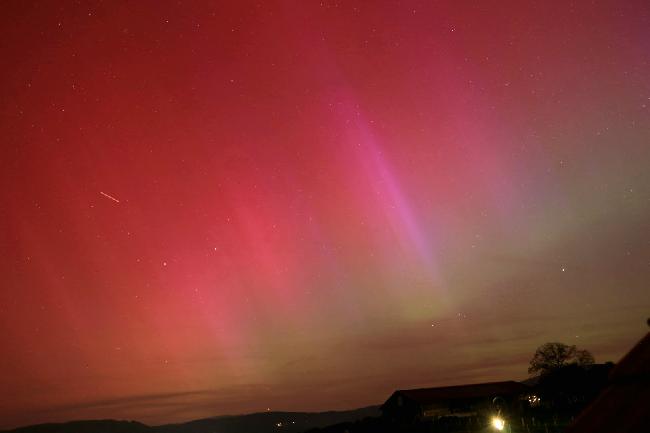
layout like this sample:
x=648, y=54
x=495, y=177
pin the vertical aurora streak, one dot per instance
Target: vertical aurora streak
x=215, y=208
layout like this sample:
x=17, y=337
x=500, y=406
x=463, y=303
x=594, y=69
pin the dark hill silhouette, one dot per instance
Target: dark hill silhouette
x=264, y=422
x=90, y=426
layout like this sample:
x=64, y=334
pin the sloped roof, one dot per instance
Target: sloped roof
x=636, y=363
x=477, y=390
x=623, y=405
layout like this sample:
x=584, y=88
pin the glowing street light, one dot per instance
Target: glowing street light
x=498, y=423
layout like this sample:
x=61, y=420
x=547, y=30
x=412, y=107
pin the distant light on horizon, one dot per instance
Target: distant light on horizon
x=498, y=423
x=313, y=205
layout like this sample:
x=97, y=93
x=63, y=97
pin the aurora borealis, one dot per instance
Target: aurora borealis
x=215, y=208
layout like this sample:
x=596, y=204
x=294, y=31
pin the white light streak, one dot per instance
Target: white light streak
x=109, y=197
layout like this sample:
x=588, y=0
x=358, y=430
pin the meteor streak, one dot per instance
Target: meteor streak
x=109, y=196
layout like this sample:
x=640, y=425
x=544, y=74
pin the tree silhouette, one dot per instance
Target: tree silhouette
x=550, y=357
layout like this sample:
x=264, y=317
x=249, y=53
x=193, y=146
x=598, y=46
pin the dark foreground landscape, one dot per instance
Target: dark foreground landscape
x=264, y=422
x=432, y=216
x=571, y=394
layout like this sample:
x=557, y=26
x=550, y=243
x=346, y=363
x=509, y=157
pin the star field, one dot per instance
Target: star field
x=222, y=207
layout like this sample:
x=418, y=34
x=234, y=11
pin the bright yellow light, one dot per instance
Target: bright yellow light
x=498, y=423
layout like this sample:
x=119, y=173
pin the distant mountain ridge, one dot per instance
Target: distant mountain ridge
x=86, y=426
x=263, y=422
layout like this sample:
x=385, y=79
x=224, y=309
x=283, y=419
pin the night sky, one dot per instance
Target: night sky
x=212, y=208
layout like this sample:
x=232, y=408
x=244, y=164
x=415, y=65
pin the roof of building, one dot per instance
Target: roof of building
x=623, y=405
x=477, y=390
x=636, y=363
